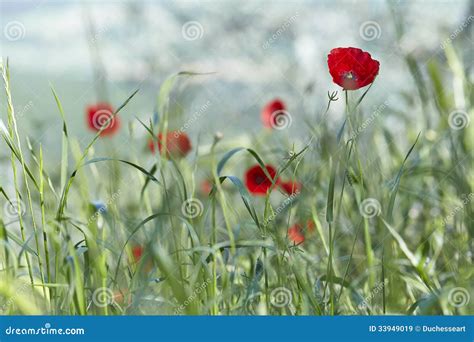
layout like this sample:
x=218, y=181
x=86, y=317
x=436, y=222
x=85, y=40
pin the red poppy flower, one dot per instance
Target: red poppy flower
x=257, y=181
x=295, y=234
x=97, y=116
x=137, y=252
x=177, y=144
x=272, y=112
x=206, y=187
x=352, y=68
x=123, y=297
x=291, y=187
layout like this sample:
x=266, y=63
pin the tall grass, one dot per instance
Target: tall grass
x=392, y=216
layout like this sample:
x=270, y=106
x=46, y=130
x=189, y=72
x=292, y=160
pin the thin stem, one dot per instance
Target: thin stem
x=43, y=224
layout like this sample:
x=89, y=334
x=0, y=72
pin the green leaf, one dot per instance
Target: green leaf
x=243, y=194
x=64, y=141
x=397, y=182
x=330, y=201
x=138, y=167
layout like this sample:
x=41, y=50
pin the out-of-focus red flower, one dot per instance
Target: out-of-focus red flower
x=97, y=116
x=178, y=144
x=271, y=113
x=310, y=226
x=352, y=68
x=257, y=181
x=137, y=252
x=123, y=297
x=291, y=187
x=295, y=234
x=206, y=187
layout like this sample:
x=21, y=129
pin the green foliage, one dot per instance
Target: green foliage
x=387, y=220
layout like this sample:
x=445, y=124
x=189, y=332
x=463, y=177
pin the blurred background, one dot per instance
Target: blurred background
x=103, y=50
x=251, y=53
